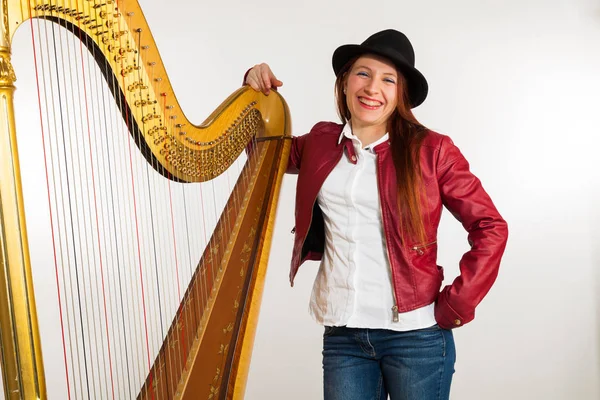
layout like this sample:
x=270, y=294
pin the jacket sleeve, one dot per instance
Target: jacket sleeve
x=299, y=143
x=296, y=154
x=463, y=195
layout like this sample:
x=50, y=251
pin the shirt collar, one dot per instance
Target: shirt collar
x=347, y=132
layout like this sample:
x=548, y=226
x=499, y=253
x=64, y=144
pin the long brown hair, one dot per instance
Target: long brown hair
x=406, y=137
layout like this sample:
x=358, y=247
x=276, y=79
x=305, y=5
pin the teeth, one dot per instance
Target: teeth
x=370, y=103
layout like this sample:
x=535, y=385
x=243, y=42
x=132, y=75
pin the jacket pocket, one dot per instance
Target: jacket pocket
x=420, y=248
x=423, y=257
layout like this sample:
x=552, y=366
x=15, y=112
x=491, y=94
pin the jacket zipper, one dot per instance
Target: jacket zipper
x=419, y=248
x=395, y=314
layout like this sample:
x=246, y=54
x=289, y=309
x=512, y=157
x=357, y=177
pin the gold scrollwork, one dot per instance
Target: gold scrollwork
x=210, y=163
x=228, y=328
x=223, y=349
x=5, y=19
x=214, y=391
x=7, y=73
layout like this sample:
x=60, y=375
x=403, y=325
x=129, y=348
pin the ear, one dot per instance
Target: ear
x=345, y=82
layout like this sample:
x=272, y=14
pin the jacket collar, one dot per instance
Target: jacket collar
x=350, y=141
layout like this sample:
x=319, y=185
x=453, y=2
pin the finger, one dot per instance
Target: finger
x=253, y=83
x=250, y=75
x=266, y=79
x=273, y=81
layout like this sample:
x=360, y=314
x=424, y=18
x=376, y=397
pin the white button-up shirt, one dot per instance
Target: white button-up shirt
x=354, y=286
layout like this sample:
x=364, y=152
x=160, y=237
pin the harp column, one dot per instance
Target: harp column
x=20, y=351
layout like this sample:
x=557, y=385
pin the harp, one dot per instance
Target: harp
x=139, y=319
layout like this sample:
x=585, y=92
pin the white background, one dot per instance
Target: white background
x=516, y=84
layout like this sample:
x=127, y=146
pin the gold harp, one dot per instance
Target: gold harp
x=204, y=349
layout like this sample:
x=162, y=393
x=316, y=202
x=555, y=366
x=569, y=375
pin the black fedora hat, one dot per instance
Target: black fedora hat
x=394, y=46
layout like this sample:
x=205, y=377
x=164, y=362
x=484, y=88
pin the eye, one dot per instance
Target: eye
x=362, y=73
x=390, y=80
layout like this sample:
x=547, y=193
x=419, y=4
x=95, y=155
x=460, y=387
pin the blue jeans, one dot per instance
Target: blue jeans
x=369, y=364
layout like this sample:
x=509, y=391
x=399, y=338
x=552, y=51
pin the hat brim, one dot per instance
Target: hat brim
x=416, y=82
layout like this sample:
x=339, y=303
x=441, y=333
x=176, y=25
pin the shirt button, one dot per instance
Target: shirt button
x=353, y=158
x=457, y=322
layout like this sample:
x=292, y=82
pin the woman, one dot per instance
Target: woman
x=368, y=204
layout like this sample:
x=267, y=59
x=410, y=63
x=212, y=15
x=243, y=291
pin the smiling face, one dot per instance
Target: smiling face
x=371, y=92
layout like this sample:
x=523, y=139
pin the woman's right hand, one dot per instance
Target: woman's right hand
x=262, y=79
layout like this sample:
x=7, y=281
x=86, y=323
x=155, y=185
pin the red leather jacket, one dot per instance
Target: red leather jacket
x=416, y=276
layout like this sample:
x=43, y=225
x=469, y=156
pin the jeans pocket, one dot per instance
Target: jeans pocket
x=329, y=330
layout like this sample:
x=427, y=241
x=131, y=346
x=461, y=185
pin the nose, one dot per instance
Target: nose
x=371, y=87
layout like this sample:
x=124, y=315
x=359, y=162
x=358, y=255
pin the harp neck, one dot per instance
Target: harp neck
x=120, y=40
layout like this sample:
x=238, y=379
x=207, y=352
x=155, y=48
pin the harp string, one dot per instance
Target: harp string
x=93, y=50
x=70, y=204
x=170, y=255
x=59, y=159
x=130, y=123
x=96, y=227
x=101, y=90
x=162, y=303
x=145, y=219
x=60, y=162
x=134, y=326
x=47, y=175
x=41, y=60
x=63, y=54
x=74, y=191
x=118, y=208
x=123, y=368
x=180, y=344
x=81, y=169
x=94, y=124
